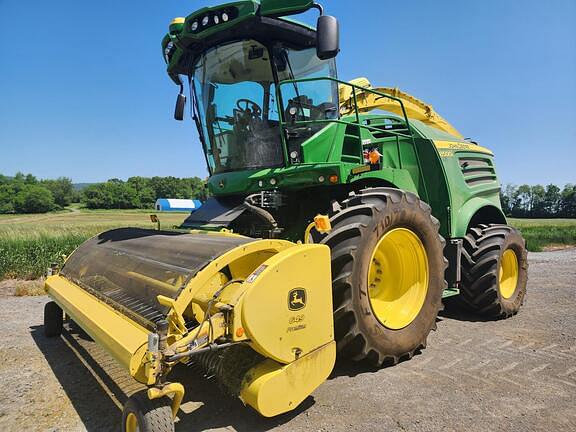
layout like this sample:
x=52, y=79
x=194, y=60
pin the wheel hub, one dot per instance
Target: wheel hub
x=508, y=277
x=132, y=423
x=398, y=278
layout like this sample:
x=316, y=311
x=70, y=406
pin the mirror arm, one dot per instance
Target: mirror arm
x=319, y=7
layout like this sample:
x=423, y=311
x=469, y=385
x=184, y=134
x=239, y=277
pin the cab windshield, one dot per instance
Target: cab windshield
x=234, y=92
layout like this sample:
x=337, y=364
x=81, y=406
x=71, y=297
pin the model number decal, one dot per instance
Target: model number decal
x=256, y=273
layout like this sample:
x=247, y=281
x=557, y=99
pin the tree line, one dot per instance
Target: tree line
x=24, y=193
x=539, y=201
x=141, y=192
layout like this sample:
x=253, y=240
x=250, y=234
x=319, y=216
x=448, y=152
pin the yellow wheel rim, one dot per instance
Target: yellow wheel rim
x=398, y=278
x=508, y=273
x=132, y=423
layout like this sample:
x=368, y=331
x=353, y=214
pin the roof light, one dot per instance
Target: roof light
x=194, y=26
x=216, y=19
x=225, y=17
x=205, y=20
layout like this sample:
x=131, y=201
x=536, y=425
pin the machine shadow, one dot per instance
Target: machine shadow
x=214, y=408
x=65, y=357
x=92, y=380
x=351, y=368
x=455, y=309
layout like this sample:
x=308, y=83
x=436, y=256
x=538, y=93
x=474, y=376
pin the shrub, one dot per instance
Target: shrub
x=34, y=199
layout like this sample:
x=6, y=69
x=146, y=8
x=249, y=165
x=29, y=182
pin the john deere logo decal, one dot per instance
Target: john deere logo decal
x=297, y=299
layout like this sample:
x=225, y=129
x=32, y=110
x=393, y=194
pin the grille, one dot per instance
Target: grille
x=477, y=170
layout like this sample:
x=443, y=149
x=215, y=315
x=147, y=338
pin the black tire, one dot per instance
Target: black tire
x=152, y=415
x=357, y=226
x=53, y=319
x=483, y=248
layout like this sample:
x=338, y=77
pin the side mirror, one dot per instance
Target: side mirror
x=327, y=37
x=180, y=105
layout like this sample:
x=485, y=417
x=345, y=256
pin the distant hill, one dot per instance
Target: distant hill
x=80, y=186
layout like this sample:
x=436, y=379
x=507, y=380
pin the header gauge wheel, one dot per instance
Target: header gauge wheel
x=141, y=414
x=387, y=274
x=53, y=319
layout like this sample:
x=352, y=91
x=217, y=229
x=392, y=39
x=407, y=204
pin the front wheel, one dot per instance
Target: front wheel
x=387, y=274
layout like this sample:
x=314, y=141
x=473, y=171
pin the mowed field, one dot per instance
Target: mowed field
x=30, y=243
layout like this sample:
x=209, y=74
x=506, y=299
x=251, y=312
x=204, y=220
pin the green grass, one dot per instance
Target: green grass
x=30, y=243
x=540, y=233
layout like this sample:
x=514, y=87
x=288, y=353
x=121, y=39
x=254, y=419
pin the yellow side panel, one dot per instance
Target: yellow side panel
x=287, y=307
x=120, y=336
x=461, y=146
x=273, y=389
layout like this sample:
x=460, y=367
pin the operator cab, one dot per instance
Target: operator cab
x=240, y=107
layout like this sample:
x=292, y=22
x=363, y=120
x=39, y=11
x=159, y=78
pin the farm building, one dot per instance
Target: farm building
x=173, y=204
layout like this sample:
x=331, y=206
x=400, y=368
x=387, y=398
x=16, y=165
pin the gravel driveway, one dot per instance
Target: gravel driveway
x=512, y=375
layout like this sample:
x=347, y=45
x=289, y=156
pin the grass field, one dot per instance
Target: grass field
x=540, y=233
x=29, y=243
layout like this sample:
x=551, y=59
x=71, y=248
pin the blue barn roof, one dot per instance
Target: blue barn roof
x=177, y=204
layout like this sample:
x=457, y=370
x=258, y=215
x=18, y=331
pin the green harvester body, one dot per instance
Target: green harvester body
x=324, y=159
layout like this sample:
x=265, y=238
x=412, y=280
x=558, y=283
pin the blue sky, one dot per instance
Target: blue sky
x=84, y=94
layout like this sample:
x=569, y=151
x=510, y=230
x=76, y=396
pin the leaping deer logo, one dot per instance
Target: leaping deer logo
x=297, y=299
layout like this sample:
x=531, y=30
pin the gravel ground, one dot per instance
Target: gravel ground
x=513, y=375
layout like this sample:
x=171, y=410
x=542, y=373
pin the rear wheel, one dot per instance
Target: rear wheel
x=53, y=319
x=494, y=270
x=388, y=274
x=144, y=415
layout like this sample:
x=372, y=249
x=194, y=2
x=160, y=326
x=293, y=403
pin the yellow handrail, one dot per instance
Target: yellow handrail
x=415, y=108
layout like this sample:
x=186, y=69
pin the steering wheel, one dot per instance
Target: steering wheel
x=249, y=105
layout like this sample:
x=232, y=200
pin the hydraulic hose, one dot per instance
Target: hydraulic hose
x=264, y=214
